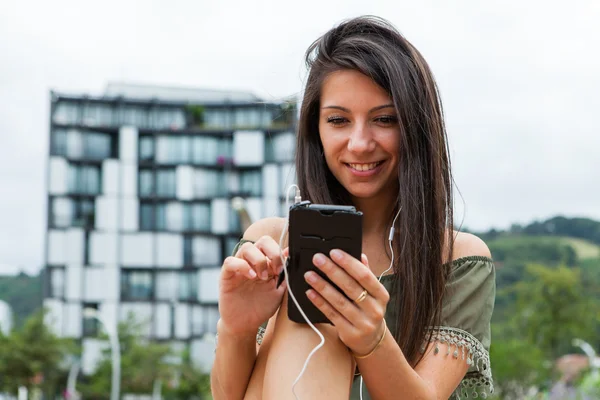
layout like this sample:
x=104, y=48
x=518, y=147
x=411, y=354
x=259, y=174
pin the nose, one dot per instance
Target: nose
x=361, y=139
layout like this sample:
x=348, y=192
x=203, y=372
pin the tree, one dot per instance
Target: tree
x=33, y=357
x=23, y=293
x=142, y=363
x=189, y=381
x=516, y=364
x=552, y=308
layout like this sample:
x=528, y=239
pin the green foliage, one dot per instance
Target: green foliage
x=516, y=363
x=32, y=356
x=589, y=385
x=521, y=249
x=142, y=363
x=23, y=293
x=195, y=114
x=189, y=382
x=551, y=307
x=583, y=228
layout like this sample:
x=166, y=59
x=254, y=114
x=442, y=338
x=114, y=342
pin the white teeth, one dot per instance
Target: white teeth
x=364, y=167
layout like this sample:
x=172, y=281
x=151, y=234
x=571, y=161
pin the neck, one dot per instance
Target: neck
x=376, y=213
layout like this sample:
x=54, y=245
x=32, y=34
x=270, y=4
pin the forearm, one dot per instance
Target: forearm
x=388, y=375
x=234, y=361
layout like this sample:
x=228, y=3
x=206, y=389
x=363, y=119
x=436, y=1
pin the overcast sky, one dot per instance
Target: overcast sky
x=519, y=81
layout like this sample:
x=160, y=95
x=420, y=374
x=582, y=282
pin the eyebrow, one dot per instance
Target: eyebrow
x=348, y=111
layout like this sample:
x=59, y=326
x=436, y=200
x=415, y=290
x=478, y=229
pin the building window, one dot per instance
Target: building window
x=146, y=182
x=97, y=115
x=202, y=251
x=165, y=183
x=208, y=183
x=216, y=118
x=196, y=217
x=166, y=285
x=247, y=117
x=188, y=286
x=172, y=150
x=251, y=183
x=58, y=143
x=132, y=115
x=146, y=216
x=153, y=216
x=57, y=282
x=188, y=255
x=160, y=183
x=206, y=251
x=66, y=113
x=197, y=320
x=136, y=285
x=280, y=147
x=160, y=217
x=97, y=146
x=91, y=326
x=83, y=213
x=146, y=150
x=211, y=150
x=82, y=145
x=84, y=179
x=167, y=118
x=67, y=212
x=86, y=248
x=211, y=316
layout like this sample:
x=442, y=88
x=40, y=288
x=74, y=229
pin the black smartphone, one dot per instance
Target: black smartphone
x=318, y=228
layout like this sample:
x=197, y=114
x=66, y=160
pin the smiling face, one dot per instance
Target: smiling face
x=360, y=134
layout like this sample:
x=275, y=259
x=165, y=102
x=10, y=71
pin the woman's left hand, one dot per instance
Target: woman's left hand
x=359, y=323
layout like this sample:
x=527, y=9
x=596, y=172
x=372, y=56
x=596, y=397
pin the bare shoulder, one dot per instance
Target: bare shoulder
x=467, y=244
x=271, y=226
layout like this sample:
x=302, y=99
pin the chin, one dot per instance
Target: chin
x=363, y=192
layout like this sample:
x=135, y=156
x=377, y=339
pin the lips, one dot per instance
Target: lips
x=363, y=167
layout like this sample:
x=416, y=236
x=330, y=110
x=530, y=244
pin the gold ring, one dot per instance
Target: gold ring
x=362, y=296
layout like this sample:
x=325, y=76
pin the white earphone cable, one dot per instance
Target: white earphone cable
x=297, y=199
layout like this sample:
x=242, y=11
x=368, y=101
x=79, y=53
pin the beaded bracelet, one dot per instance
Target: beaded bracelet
x=385, y=329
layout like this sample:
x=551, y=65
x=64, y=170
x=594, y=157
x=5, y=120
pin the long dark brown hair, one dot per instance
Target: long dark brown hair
x=375, y=48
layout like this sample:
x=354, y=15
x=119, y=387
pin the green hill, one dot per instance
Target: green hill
x=511, y=244
x=23, y=293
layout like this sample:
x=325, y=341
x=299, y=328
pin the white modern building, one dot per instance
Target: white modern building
x=140, y=181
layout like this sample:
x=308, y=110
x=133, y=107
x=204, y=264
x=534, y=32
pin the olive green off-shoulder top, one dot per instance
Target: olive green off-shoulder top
x=464, y=330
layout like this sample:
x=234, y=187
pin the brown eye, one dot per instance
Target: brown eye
x=336, y=121
x=387, y=120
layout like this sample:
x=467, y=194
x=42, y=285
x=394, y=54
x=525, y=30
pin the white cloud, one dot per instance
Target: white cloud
x=519, y=82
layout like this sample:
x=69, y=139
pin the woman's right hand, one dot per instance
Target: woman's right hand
x=248, y=295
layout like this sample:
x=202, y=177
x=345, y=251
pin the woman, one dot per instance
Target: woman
x=371, y=134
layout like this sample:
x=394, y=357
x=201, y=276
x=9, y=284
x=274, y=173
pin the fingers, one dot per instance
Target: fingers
x=336, y=318
x=340, y=277
x=340, y=302
x=361, y=273
x=263, y=256
x=270, y=248
x=234, y=265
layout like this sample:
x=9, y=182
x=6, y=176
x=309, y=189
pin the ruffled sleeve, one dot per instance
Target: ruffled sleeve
x=465, y=323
